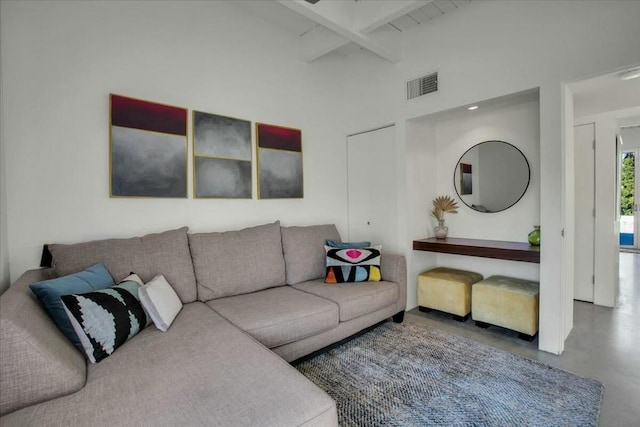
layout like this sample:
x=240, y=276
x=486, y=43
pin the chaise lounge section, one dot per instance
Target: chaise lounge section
x=253, y=300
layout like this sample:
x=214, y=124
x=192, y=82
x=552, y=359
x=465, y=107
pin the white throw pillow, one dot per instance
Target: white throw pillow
x=160, y=301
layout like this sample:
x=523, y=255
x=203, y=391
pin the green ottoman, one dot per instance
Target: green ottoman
x=507, y=302
x=448, y=290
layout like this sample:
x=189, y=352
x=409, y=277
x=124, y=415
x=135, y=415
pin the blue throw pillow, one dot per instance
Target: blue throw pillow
x=49, y=292
x=348, y=245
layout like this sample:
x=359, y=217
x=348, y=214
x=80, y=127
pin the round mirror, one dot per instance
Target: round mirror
x=491, y=176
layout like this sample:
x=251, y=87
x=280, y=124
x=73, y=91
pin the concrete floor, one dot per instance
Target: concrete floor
x=604, y=344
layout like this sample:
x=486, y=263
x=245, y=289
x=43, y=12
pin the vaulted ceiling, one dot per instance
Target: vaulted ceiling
x=325, y=26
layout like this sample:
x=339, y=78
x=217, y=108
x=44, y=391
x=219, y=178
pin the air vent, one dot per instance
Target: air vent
x=422, y=86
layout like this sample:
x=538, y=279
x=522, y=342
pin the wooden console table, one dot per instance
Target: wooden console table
x=513, y=251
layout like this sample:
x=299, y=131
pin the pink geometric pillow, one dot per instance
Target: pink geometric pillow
x=353, y=264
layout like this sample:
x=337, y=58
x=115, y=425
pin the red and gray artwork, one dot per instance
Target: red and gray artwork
x=279, y=162
x=148, y=149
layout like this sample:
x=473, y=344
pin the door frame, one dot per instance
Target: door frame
x=636, y=198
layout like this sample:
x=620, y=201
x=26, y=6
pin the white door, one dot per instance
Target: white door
x=371, y=173
x=584, y=212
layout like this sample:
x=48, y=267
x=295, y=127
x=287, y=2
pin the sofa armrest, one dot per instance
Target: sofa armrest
x=394, y=269
x=37, y=362
x=33, y=276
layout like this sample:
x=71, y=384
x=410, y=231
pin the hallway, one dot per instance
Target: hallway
x=604, y=344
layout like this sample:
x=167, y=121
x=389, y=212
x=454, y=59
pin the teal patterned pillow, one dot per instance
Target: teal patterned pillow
x=107, y=318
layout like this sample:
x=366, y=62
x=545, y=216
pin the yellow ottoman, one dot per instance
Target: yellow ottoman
x=448, y=290
x=507, y=302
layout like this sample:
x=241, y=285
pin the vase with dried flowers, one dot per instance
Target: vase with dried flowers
x=442, y=205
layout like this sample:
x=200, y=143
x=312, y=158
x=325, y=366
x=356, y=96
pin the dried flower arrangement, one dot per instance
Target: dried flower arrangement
x=442, y=205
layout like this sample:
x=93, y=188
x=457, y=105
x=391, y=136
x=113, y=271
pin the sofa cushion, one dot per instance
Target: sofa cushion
x=202, y=372
x=278, y=316
x=304, y=253
x=163, y=253
x=237, y=262
x=107, y=318
x=49, y=292
x=37, y=362
x=354, y=299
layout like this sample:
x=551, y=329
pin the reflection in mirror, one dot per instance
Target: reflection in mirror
x=491, y=176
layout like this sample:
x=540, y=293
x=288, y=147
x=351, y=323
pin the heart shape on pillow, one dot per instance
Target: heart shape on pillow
x=353, y=253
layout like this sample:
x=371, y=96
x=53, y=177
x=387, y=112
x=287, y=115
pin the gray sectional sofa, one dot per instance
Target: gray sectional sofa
x=253, y=300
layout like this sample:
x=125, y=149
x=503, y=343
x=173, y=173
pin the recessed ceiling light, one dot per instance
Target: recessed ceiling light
x=473, y=107
x=630, y=74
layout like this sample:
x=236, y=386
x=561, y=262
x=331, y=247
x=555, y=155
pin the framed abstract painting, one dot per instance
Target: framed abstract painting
x=279, y=162
x=148, y=149
x=466, y=179
x=222, y=157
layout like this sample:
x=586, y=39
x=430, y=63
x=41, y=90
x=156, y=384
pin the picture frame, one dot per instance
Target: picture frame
x=466, y=179
x=280, y=164
x=222, y=157
x=147, y=149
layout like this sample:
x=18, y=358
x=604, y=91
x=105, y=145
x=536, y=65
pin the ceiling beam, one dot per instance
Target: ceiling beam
x=371, y=15
x=319, y=42
x=341, y=22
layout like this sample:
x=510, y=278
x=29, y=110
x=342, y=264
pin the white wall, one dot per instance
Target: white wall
x=518, y=124
x=631, y=137
x=447, y=137
x=607, y=225
x=421, y=177
x=60, y=61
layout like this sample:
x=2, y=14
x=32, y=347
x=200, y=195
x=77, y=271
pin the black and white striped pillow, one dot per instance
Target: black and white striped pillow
x=107, y=318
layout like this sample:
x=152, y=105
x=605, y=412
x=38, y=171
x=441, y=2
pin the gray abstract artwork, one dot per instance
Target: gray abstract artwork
x=148, y=164
x=222, y=156
x=219, y=136
x=223, y=178
x=280, y=174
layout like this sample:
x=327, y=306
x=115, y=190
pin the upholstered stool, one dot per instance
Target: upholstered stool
x=507, y=302
x=448, y=290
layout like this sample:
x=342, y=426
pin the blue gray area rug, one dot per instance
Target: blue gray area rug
x=411, y=375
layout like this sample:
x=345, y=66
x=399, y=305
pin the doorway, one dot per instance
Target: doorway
x=628, y=205
x=611, y=103
x=629, y=187
x=372, y=192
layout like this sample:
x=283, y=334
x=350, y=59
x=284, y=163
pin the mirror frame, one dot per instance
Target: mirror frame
x=455, y=187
